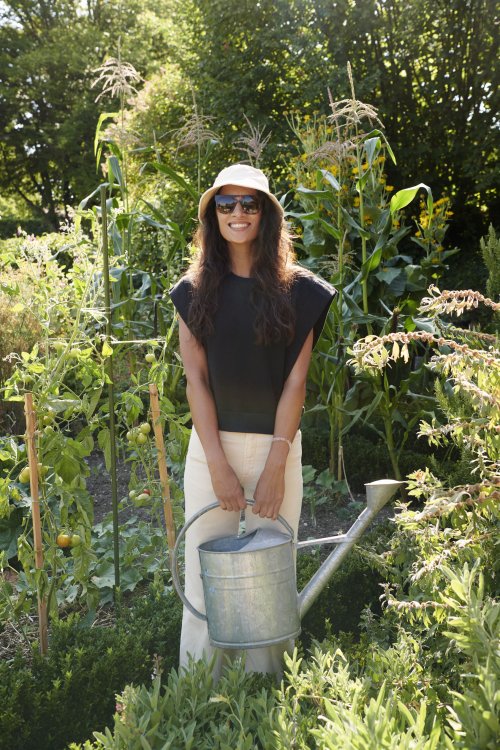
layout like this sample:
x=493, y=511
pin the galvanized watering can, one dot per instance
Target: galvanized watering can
x=249, y=582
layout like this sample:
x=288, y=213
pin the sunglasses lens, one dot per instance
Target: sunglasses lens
x=226, y=204
x=249, y=204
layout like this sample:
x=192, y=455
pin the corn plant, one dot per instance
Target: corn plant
x=351, y=231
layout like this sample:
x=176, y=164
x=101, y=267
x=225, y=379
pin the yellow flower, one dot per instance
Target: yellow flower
x=355, y=170
x=389, y=188
x=439, y=248
x=449, y=213
x=355, y=202
x=307, y=118
x=418, y=234
x=381, y=180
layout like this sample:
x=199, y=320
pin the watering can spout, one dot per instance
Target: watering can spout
x=380, y=492
x=377, y=495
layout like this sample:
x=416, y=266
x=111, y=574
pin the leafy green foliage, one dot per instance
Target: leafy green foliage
x=62, y=697
x=49, y=115
x=190, y=711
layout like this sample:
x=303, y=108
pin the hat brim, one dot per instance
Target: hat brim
x=208, y=195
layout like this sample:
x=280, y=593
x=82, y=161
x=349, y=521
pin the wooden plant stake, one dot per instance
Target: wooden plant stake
x=111, y=389
x=162, y=465
x=35, y=513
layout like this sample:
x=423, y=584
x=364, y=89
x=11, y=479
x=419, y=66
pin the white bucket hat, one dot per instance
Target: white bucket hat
x=241, y=175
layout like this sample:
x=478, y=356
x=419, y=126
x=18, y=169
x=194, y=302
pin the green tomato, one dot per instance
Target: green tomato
x=131, y=436
x=24, y=476
x=145, y=428
x=143, y=497
x=63, y=540
x=132, y=494
x=76, y=540
x=141, y=438
x=42, y=470
x=150, y=357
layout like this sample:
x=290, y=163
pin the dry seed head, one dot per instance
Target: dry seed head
x=196, y=131
x=333, y=151
x=253, y=142
x=348, y=112
x=117, y=78
x=454, y=302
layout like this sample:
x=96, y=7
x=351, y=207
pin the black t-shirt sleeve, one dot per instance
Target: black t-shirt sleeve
x=181, y=296
x=312, y=297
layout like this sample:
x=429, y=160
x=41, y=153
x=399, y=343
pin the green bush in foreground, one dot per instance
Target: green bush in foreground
x=64, y=696
x=382, y=697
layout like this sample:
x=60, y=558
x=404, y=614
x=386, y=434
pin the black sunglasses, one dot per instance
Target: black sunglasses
x=226, y=204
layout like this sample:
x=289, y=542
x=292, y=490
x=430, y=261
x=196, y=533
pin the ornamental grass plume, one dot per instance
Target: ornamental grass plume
x=348, y=112
x=195, y=131
x=253, y=142
x=116, y=78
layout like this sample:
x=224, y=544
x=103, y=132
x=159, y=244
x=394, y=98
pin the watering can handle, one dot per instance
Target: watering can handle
x=175, y=567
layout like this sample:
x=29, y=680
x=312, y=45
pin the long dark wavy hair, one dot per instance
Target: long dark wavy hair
x=273, y=270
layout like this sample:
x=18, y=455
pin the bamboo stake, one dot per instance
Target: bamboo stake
x=162, y=465
x=35, y=513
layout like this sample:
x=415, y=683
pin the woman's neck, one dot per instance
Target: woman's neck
x=240, y=263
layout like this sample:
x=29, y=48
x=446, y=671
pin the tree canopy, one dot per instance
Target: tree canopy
x=429, y=66
x=48, y=55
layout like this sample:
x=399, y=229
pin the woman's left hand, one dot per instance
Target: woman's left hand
x=269, y=492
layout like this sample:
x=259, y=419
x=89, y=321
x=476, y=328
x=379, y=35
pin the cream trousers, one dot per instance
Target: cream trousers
x=246, y=454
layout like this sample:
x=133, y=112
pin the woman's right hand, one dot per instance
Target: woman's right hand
x=227, y=487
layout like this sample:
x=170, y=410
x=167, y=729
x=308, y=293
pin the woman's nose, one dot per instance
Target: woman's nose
x=237, y=209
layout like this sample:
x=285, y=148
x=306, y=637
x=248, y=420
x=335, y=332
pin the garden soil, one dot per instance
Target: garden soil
x=327, y=519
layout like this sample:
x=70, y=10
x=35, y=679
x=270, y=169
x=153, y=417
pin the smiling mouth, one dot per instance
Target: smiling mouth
x=238, y=225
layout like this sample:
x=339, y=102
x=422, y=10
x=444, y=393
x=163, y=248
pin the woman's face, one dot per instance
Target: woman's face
x=238, y=228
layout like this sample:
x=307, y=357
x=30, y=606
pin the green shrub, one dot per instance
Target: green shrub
x=71, y=692
x=190, y=712
x=352, y=588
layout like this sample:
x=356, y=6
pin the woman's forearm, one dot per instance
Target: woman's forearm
x=225, y=483
x=270, y=489
x=287, y=420
x=204, y=417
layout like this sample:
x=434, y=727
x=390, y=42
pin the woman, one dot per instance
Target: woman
x=248, y=320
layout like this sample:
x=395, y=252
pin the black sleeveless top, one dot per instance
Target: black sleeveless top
x=247, y=378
